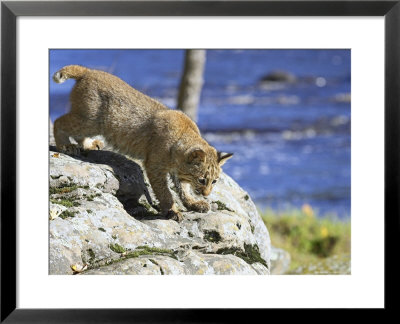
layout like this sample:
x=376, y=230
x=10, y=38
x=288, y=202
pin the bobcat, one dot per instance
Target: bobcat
x=136, y=125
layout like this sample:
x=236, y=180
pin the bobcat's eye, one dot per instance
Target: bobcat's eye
x=214, y=181
x=202, y=181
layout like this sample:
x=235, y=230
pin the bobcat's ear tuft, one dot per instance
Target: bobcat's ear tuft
x=223, y=157
x=197, y=156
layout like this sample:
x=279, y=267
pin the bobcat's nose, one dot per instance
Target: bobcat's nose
x=206, y=192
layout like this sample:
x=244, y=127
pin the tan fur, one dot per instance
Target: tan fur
x=166, y=140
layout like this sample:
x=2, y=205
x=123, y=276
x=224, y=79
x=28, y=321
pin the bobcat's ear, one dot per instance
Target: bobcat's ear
x=196, y=156
x=223, y=157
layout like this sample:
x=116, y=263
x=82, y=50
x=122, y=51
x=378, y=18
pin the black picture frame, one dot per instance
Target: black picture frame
x=10, y=10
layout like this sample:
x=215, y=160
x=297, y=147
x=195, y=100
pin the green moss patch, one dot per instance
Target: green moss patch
x=252, y=227
x=90, y=198
x=197, y=247
x=222, y=206
x=153, y=261
x=142, y=250
x=67, y=202
x=117, y=248
x=250, y=255
x=212, y=236
x=65, y=188
x=62, y=189
x=92, y=256
x=127, y=254
x=146, y=250
x=67, y=214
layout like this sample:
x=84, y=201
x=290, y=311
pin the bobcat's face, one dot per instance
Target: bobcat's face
x=202, y=169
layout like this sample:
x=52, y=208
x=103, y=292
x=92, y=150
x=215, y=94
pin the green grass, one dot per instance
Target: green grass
x=306, y=237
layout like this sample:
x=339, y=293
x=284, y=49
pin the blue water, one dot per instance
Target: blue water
x=291, y=142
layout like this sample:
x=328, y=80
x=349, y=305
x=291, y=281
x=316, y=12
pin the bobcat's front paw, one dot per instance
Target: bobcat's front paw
x=200, y=206
x=70, y=149
x=174, y=215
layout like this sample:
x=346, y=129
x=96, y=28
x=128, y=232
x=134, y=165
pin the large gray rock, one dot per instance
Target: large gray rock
x=104, y=220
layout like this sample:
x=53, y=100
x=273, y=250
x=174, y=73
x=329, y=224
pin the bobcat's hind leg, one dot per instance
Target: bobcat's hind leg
x=66, y=126
x=87, y=143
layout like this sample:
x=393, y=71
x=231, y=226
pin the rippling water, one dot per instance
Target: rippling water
x=291, y=141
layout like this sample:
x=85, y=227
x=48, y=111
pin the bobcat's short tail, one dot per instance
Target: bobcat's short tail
x=69, y=72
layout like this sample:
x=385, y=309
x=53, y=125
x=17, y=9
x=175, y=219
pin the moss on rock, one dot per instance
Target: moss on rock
x=212, y=236
x=67, y=214
x=250, y=255
x=65, y=188
x=117, y=248
x=222, y=206
x=67, y=202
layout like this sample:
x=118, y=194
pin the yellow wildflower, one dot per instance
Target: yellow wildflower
x=324, y=232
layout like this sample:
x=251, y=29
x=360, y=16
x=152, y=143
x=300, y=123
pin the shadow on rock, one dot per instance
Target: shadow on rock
x=133, y=190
